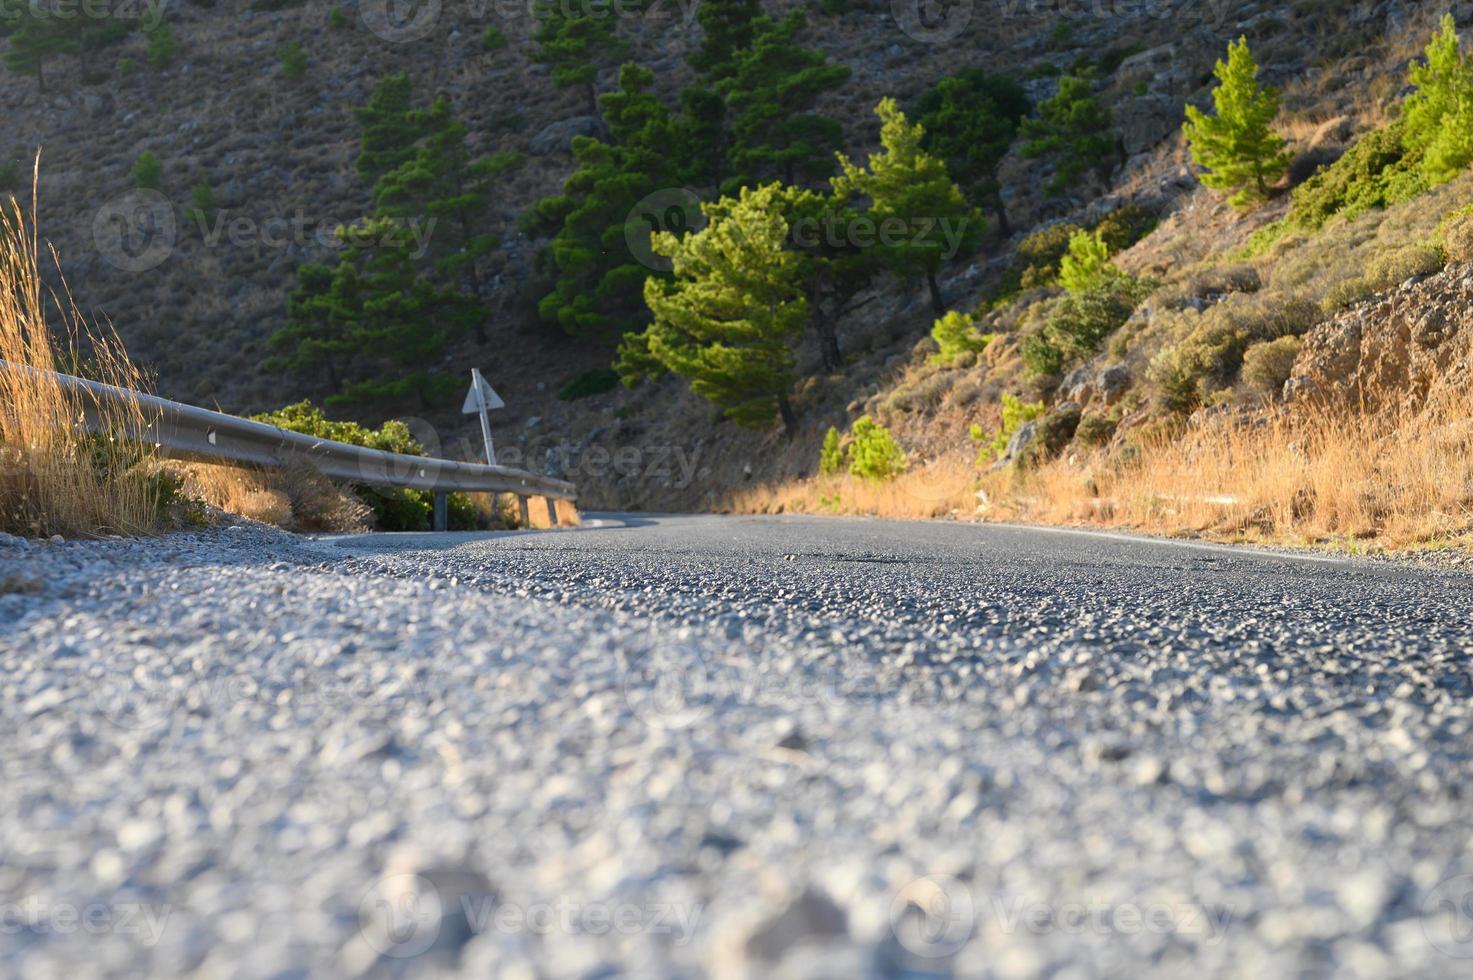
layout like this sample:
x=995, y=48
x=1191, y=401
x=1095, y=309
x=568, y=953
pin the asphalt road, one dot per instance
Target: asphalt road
x=766, y=747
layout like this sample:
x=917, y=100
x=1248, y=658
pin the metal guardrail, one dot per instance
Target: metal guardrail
x=186, y=432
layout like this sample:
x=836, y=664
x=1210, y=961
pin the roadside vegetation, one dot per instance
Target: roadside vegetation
x=56, y=477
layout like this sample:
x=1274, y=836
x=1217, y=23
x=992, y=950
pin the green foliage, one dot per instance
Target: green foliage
x=1095, y=430
x=9, y=176
x=596, y=382
x=390, y=127
x=1073, y=128
x=147, y=171
x=39, y=33
x=1080, y=321
x=1345, y=294
x=1086, y=266
x=202, y=203
x=1378, y=171
x=337, y=19
x=598, y=280
x=1241, y=154
x=1395, y=267
x=163, y=47
x=1455, y=232
x=906, y=185
x=1268, y=364
x=970, y=120
x=1438, y=116
x=874, y=454
x=773, y=85
x=492, y=39
x=1041, y=356
x=304, y=417
x=831, y=455
x=394, y=509
x=1015, y=413
x=1125, y=226
x=956, y=334
x=727, y=28
x=442, y=184
x=575, y=44
x=293, y=61
x=729, y=317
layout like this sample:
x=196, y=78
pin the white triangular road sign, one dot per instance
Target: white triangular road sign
x=481, y=396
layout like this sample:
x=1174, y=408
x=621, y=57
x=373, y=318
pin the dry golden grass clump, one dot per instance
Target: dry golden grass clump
x=296, y=497
x=55, y=477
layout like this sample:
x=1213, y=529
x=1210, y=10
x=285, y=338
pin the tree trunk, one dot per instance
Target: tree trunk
x=593, y=99
x=1003, y=227
x=828, y=341
x=937, y=304
x=790, y=419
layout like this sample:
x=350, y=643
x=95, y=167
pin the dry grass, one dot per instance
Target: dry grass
x=55, y=478
x=296, y=497
x=1389, y=479
x=940, y=488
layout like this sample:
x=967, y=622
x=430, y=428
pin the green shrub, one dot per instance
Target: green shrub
x=1439, y=114
x=1015, y=413
x=1393, y=268
x=1086, y=264
x=1038, y=255
x=127, y=67
x=1125, y=226
x=956, y=334
x=1456, y=234
x=1080, y=322
x=9, y=176
x=831, y=454
x=1378, y=171
x=163, y=47
x=1041, y=356
x=293, y=61
x=1073, y=128
x=493, y=39
x=202, y=203
x=147, y=171
x=1187, y=373
x=1345, y=294
x=336, y=18
x=1096, y=429
x=589, y=383
x=394, y=509
x=1056, y=430
x=1267, y=365
x=874, y=455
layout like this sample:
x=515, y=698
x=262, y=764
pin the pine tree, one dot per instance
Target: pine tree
x=443, y=184
x=770, y=94
x=970, y=120
x=575, y=45
x=390, y=127
x=729, y=317
x=1074, y=128
x=34, y=42
x=1439, y=114
x=1240, y=152
x=727, y=27
x=910, y=189
x=599, y=283
x=835, y=264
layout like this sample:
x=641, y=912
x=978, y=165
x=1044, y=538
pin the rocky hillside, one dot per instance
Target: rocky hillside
x=196, y=301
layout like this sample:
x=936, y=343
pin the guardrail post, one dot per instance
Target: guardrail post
x=551, y=511
x=526, y=511
x=442, y=512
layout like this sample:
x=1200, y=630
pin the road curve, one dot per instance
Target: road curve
x=742, y=746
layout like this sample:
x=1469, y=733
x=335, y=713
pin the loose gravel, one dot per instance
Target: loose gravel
x=765, y=747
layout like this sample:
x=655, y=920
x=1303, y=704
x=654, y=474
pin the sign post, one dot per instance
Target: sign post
x=481, y=399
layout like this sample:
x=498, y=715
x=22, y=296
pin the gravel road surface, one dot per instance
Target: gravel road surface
x=744, y=747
